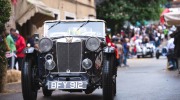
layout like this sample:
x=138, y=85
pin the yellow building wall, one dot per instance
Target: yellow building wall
x=78, y=9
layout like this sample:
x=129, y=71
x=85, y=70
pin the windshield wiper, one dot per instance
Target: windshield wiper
x=54, y=25
x=83, y=25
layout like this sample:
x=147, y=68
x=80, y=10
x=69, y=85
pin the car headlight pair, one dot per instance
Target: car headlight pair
x=92, y=44
x=45, y=45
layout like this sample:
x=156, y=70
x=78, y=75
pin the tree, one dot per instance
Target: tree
x=5, y=9
x=115, y=12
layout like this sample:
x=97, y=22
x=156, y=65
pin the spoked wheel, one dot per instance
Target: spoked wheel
x=109, y=82
x=46, y=92
x=29, y=90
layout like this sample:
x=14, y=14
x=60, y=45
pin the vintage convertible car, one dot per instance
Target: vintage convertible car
x=72, y=56
x=145, y=50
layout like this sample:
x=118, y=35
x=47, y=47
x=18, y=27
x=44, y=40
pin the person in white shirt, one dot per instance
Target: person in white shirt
x=170, y=55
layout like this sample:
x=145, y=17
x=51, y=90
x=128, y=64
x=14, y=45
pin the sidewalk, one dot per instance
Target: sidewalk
x=12, y=88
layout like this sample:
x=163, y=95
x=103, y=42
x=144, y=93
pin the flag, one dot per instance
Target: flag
x=14, y=2
x=162, y=20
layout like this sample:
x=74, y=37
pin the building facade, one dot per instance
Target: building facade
x=175, y=3
x=73, y=9
x=28, y=15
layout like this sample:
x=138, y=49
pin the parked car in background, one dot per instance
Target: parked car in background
x=73, y=56
x=161, y=52
x=146, y=49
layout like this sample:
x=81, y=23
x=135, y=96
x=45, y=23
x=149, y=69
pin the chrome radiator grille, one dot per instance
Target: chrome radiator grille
x=69, y=56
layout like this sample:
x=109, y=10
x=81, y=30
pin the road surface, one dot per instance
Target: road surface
x=144, y=79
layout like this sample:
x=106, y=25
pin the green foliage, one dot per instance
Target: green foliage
x=118, y=11
x=5, y=9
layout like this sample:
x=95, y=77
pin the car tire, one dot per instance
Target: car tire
x=138, y=56
x=46, y=92
x=178, y=64
x=109, y=84
x=114, y=83
x=28, y=90
x=151, y=55
x=143, y=56
x=157, y=55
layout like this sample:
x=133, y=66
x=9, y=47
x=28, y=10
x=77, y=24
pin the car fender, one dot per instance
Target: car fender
x=32, y=54
x=109, y=49
x=29, y=50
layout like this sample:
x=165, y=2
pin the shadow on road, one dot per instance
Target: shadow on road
x=72, y=97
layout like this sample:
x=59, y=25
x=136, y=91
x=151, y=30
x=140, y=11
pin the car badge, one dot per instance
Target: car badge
x=69, y=39
x=68, y=71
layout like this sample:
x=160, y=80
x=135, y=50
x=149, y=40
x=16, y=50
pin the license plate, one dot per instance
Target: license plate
x=67, y=85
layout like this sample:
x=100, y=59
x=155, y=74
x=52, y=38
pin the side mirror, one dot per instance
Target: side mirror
x=108, y=31
x=36, y=39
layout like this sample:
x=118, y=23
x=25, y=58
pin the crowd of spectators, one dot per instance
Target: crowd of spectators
x=126, y=41
x=15, y=44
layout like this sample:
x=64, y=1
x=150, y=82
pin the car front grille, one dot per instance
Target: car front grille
x=69, y=56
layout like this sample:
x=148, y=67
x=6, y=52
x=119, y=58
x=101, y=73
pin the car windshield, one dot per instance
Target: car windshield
x=74, y=28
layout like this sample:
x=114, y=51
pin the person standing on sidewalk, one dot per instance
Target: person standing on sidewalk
x=12, y=50
x=170, y=55
x=120, y=51
x=20, y=45
x=125, y=51
x=177, y=46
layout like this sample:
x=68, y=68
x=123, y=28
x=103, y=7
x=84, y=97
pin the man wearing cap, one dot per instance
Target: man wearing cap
x=20, y=45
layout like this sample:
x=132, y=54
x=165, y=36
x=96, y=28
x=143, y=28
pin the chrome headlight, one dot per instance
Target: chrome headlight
x=50, y=64
x=45, y=44
x=92, y=43
x=87, y=64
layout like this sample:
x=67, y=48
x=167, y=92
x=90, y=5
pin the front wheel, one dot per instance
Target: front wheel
x=138, y=56
x=28, y=86
x=157, y=55
x=178, y=64
x=109, y=80
x=151, y=55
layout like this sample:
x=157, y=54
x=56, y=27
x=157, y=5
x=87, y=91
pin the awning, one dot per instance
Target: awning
x=162, y=15
x=172, y=18
x=38, y=12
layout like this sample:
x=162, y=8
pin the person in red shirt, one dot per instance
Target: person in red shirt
x=108, y=41
x=20, y=46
